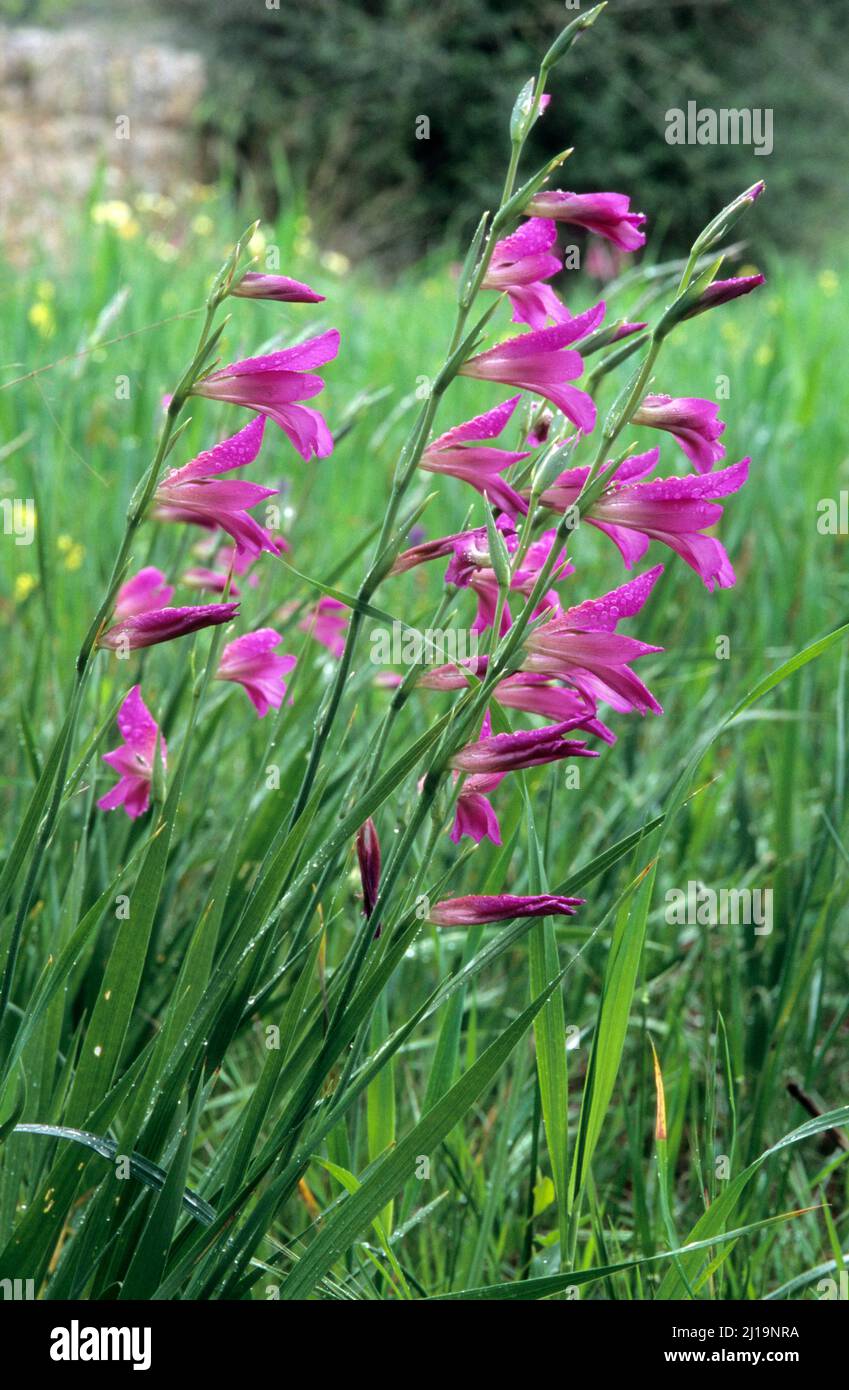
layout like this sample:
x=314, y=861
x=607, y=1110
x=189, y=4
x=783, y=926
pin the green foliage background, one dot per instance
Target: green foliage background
x=441, y=1064
x=331, y=90
x=336, y=87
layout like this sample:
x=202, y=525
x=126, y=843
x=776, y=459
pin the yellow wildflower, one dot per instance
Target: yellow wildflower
x=24, y=585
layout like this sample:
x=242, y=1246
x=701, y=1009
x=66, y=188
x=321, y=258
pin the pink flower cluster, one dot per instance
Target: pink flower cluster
x=574, y=659
x=201, y=494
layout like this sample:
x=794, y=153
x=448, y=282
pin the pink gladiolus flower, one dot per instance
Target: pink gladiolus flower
x=275, y=384
x=195, y=494
x=527, y=748
x=133, y=760
x=722, y=291
x=474, y=814
x=471, y=568
x=251, y=662
x=520, y=263
x=694, y=423
x=327, y=623
x=606, y=214
x=475, y=909
x=675, y=511
x=163, y=624
x=440, y=547
x=255, y=285
x=534, y=694
x=215, y=581
x=537, y=695
x=603, y=262
x=543, y=363
x=583, y=647
x=459, y=454
x=146, y=590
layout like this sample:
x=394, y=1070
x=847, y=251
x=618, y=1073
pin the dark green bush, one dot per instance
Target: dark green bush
x=335, y=87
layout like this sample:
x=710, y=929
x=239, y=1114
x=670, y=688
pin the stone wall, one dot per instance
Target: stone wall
x=75, y=99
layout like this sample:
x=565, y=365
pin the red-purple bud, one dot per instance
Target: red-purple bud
x=502, y=907
x=368, y=854
x=721, y=291
x=164, y=624
x=255, y=285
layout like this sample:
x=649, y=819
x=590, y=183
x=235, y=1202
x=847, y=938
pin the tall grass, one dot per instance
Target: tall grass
x=186, y=1112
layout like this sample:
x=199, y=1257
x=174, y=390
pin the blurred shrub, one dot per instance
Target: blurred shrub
x=333, y=89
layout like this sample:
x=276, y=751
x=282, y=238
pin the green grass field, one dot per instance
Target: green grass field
x=324, y=1166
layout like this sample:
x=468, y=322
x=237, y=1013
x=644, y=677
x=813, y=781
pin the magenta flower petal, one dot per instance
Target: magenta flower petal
x=475, y=817
x=675, y=511
x=459, y=454
x=535, y=694
x=694, y=423
x=519, y=266
x=606, y=214
x=583, y=648
x=722, y=291
x=133, y=760
x=542, y=362
x=274, y=384
x=237, y=451
x=327, y=623
x=256, y=285
x=527, y=748
x=486, y=426
x=475, y=909
x=196, y=494
x=163, y=624
x=251, y=662
x=146, y=590
x=314, y=352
